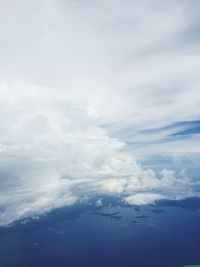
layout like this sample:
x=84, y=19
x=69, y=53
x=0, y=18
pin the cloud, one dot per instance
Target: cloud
x=143, y=198
x=81, y=84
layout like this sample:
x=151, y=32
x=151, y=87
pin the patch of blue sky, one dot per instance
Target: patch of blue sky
x=189, y=131
x=184, y=125
x=165, y=134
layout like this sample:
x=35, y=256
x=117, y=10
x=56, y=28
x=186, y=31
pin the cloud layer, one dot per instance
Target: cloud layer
x=88, y=89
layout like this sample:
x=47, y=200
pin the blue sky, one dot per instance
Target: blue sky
x=96, y=98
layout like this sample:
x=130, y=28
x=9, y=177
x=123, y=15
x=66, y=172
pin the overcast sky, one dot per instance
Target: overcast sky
x=89, y=90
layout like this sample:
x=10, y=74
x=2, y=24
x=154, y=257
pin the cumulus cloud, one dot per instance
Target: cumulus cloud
x=81, y=83
x=143, y=198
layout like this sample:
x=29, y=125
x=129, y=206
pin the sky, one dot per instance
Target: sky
x=97, y=98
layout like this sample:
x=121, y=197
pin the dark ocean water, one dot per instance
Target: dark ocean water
x=163, y=235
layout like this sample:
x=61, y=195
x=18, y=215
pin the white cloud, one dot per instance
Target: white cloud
x=143, y=198
x=99, y=203
x=78, y=80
